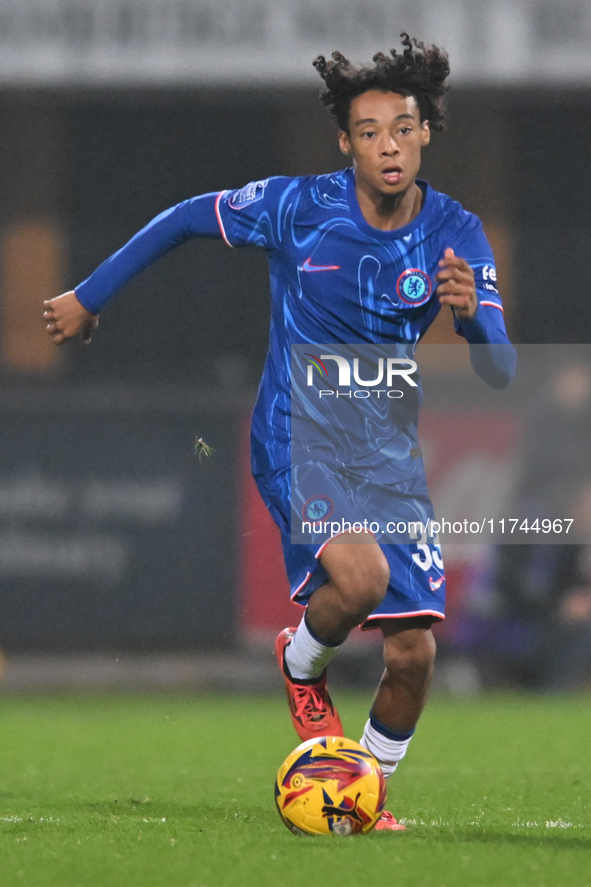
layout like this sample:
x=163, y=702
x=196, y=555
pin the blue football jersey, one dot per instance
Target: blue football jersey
x=336, y=279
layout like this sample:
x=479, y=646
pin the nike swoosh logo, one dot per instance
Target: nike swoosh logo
x=435, y=585
x=308, y=266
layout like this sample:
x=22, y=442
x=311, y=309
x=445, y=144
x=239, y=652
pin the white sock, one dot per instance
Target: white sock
x=306, y=656
x=387, y=746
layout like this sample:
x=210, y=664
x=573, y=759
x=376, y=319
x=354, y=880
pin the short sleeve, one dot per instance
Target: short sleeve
x=257, y=214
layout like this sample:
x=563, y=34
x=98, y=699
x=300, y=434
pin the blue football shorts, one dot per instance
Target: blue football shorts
x=417, y=578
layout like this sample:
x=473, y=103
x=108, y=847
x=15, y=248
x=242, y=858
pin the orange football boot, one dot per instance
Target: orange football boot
x=310, y=705
x=388, y=822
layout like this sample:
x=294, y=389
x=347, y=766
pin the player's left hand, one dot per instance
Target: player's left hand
x=456, y=285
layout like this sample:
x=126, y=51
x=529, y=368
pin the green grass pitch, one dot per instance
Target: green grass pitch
x=178, y=792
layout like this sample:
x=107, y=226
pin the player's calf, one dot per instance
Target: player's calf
x=409, y=652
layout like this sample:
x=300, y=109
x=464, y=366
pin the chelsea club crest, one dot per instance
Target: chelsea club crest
x=318, y=508
x=413, y=287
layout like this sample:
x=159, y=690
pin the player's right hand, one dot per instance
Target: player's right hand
x=65, y=317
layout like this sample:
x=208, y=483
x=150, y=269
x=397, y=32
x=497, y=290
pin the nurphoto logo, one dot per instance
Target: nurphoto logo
x=387, y=371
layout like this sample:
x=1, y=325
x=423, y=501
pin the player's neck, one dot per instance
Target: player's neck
x=389, y=212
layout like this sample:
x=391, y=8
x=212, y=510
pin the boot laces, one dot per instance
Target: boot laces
x=310, y=704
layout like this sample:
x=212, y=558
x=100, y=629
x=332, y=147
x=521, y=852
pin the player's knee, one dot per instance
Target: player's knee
x=362, y=587
x=365, y=586
x=360, y=575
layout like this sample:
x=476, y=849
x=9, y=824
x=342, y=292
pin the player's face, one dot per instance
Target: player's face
x=385, y=139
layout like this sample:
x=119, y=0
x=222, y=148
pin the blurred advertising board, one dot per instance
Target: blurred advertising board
x=112, y=533
x=81, y=42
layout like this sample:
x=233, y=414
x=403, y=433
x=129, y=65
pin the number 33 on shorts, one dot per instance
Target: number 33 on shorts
x=428, y=555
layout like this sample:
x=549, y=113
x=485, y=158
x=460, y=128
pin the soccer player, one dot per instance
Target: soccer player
x=367, y=255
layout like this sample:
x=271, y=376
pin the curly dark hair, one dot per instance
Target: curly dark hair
x=420, y=71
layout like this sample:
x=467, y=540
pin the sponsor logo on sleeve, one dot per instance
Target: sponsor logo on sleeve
x=489, y=275
x=249, y=194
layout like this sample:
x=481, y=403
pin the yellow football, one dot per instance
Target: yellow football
x=330, y=785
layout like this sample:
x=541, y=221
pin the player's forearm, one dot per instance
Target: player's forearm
x=191, y=218
x=492, y=355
